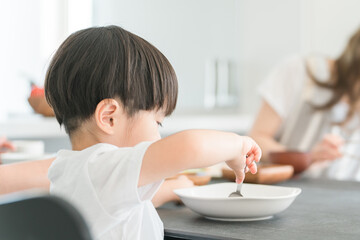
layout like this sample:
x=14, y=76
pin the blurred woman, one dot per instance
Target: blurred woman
x=312, y=104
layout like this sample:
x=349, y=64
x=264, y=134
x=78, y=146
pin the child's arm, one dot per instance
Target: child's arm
x=25, y=175
x=166, y=192
x=197, y=149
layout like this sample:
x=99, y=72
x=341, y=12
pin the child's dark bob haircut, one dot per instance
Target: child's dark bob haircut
x=108, y=62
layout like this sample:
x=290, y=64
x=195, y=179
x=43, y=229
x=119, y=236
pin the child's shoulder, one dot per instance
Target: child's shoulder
x=98, y=164
x=101, y=152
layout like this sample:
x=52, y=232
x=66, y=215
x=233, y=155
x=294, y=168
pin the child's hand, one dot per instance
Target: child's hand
x=165, y=193
x=5, y=145
x=183, y=182
x=250, y=154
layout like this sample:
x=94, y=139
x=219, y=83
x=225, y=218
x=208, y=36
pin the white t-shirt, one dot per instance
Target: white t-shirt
x=102, y=182
x=284, y=88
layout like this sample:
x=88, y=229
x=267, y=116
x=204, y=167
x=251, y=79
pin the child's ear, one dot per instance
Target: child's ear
x=106, y=113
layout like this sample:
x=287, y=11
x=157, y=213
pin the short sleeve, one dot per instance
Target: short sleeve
x=114, y=174
x=283, y=86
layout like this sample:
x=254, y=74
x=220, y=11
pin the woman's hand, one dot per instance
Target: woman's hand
x=329, y=148
x=250, y=154
x=5, y=145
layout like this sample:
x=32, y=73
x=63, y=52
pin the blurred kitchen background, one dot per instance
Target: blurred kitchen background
x=221, y=50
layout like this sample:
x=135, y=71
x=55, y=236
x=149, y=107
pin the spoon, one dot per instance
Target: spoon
x=237, y=193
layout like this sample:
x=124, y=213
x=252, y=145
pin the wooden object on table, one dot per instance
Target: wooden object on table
x=299, y=160
x=266, y=174
x=40, y=106
x=195, y=178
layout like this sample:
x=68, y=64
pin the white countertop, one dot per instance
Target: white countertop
x=36, y=126
x=232, y=123
x=31, y=126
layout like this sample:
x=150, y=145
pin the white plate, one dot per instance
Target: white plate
x=259, y=202
x=29, y=146
x=14, y=157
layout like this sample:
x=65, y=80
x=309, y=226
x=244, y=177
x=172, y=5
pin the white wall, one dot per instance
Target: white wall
x=31, y=33
x=268, y=32
x=189, y=33
x=251, y=34
x=19, y=46
x=254, y=35
x=326, y=25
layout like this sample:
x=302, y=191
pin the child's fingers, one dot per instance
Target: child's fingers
x=4, y=143
x=252, y=167
x=256, y=153
x=240, y=174
x=253, y=157
x=250, y=159
x=8, y=145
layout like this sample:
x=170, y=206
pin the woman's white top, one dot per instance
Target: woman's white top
x=102, y=182
x=292, y=94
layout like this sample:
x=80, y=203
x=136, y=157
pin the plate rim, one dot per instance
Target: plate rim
x=245, y=219
x=296, y=192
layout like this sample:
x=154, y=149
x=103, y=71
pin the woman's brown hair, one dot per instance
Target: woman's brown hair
x=108, y=62
x=345, y=77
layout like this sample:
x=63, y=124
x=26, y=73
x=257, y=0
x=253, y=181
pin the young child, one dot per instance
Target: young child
x=111, y=90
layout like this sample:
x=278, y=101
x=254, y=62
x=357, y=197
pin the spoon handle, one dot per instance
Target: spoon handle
x=238, y=187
